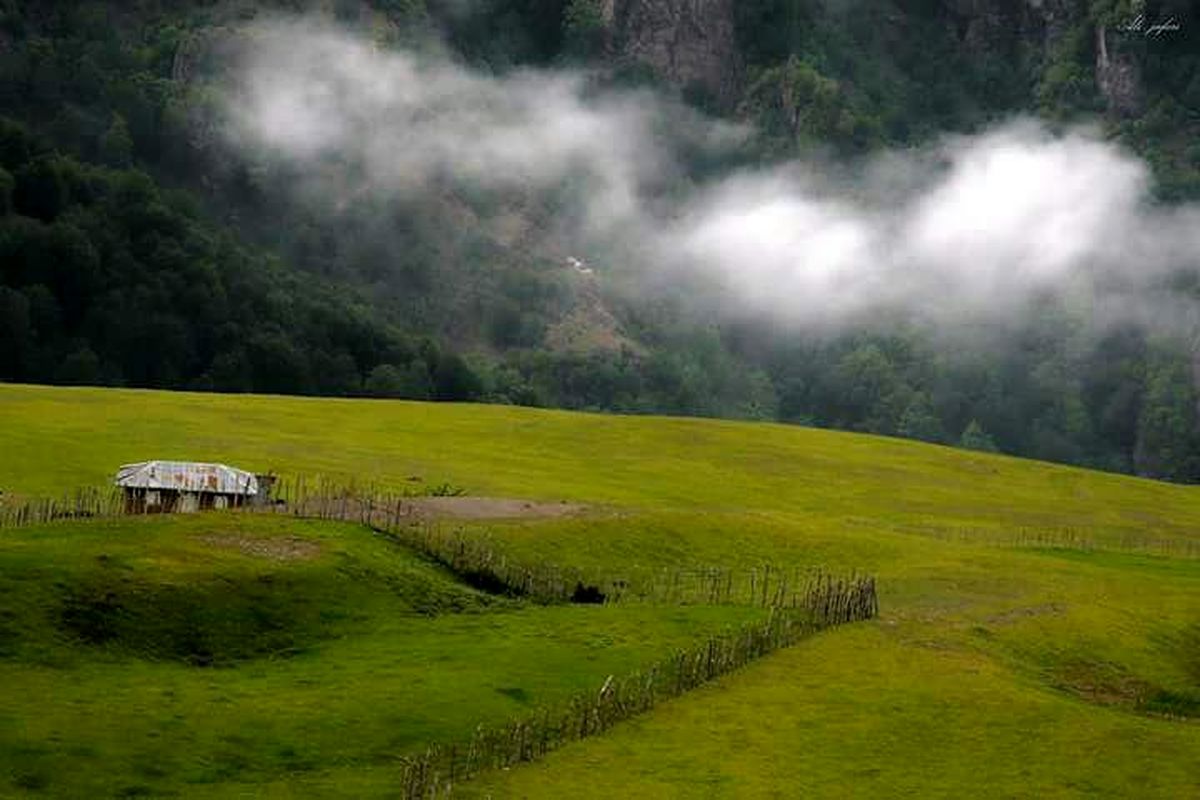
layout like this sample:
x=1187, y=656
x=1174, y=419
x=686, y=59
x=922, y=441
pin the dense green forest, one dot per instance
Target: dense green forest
x=134, y=252
x=110, y=280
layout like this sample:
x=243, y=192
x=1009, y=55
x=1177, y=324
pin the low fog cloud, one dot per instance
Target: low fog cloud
x=1000, y=218
x=399, y=121
x=966, y=227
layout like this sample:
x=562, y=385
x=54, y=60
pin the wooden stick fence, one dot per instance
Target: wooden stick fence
x=799, y=604
x=82, y=503
x=1062, y=538
x=434, y=772
x=475, y=557
x=328, y=499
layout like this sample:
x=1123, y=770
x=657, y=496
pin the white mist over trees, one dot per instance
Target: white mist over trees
x=967, y=228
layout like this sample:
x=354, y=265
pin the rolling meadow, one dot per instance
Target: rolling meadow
x=1038, y=634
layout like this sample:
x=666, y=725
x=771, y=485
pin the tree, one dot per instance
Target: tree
x=794, y=98
x=410, y=382
x=80, y=368
x=7, y=184
x=16, y=145
x=41, y=190
x=277, y=365
x=583, y=28
x=231, y=372
x=335, y=374
x=919, y=422
x=116, y=146
x=757, y=397
x=16, y=334
x=1168, y=445
x=868, y=389
x=454, y=380
x=976, y=438
x=73, y=268
x=507, y=325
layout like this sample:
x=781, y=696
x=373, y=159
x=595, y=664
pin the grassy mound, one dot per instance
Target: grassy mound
x=178, y=655
x=205, y=590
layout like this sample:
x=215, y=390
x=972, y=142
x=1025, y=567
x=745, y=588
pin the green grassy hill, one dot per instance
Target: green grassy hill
x=1039, y=636
x=176, y=655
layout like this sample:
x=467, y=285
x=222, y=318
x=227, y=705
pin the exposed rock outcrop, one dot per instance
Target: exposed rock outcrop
x=589, y=326
x=1001, y=26
x=1118, y=77
x=984, y=24
x=691, y=43
x=1053, y=18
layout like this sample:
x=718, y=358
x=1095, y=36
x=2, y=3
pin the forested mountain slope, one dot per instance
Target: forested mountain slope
x=141, y=248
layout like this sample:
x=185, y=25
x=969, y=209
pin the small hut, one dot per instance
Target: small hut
x=163, y=487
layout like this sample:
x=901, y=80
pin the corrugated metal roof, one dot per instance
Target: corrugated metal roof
x=184, y=476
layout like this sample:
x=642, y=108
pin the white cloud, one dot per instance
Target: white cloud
x=967, y=227
x=400, y=121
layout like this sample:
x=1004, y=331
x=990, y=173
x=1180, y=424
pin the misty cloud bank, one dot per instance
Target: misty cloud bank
x=402, y=122
x=986, y=224
x=967, y=227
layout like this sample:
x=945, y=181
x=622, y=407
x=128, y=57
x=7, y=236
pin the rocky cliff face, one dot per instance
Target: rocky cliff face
x=1003, y=26
x=1118, y=76
x=991, y=25
x=1052, y=18
x=691, y=43
x=986, y=25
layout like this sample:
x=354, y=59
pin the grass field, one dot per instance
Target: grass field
x=156, y=655
x=1040, y=628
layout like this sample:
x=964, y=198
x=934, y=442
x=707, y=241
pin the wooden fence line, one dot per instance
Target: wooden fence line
x=79, y=504
x=435, y=772
x=366, y=503
x=799, y=604
x=478, y=558
x=480, y=561
x=1064, y=538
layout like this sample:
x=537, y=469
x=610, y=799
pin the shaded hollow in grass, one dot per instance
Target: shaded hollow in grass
x=487, y=581
x=587, y=595
x=209, y=590
x=210, y=624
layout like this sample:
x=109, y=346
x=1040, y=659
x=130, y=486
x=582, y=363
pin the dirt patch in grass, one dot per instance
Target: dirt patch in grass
x=1103, y=683
x=1026, y=612
x=488, y=508
x=276, y=548
x=420, y=509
